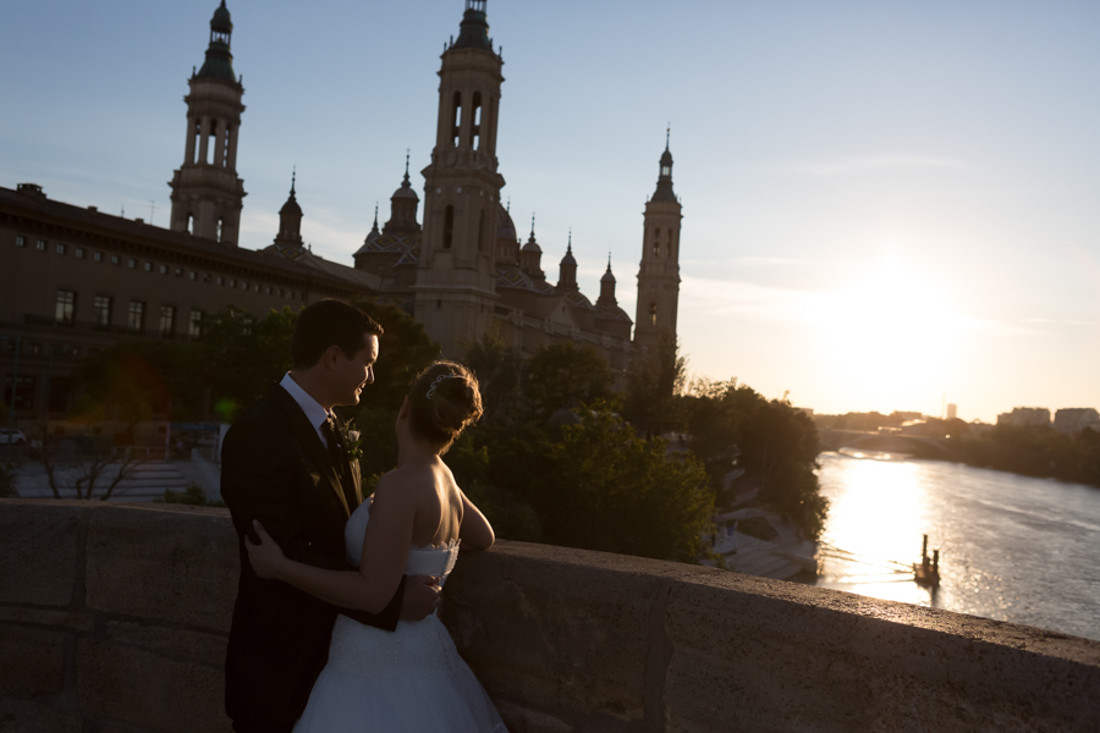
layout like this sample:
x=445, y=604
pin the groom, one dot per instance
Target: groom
x=283, y=465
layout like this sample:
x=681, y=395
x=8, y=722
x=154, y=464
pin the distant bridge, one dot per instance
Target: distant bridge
x=919, y=446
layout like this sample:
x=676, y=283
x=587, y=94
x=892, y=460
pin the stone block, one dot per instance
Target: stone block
x=173, y=642
x=33, y=661
x=40, y=563
x=24, y=716
x=148, y=691
x=583, y=630
x=174, y=565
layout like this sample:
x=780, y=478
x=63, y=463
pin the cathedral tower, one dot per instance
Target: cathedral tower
x=454, y=292
x=207, y=195
x=659, y=273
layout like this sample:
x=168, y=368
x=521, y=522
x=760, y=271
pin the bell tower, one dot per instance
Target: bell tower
x=659, y=273
x=207, y=195
x=454, y=292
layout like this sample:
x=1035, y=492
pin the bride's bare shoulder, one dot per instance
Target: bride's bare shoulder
x=409, y=481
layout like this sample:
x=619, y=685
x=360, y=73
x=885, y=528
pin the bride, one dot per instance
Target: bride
x=412, y=679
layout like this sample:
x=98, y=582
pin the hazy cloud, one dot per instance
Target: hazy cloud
x=877, y=163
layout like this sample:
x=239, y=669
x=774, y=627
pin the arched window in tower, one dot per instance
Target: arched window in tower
x=211, y=144
x=448, y=227
x=653, y=314
x=190, y=223
x=456, y=118
x=475, y=126
x=657, y=242
x=225, y=146
x=221, y=228
x=481, y=243
x=196, y=142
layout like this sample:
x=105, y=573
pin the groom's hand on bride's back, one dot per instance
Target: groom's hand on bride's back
x=422, y=597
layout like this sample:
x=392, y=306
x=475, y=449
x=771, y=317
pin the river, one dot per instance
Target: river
x=1012, y=548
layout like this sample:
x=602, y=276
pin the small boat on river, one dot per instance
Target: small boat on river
x=927, y=572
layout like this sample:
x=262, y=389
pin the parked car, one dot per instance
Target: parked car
x=11, y=436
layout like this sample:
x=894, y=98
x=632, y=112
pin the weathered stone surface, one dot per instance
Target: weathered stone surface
x=563, y=640
x=174, y=564
x=595, y=620
x=40, y=563
x=23, y=716
x=196, y=646
x=149, y=691
x=34, y=661
x=57, y=620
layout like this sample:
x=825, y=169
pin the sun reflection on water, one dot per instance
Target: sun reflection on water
x=876, y=519
x=1012, y=548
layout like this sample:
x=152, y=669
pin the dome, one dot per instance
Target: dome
x=405, y=191
x=221, y=20
x=506, y=228
x=291, y=207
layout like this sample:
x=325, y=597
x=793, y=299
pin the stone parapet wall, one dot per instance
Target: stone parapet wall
x=114, y=618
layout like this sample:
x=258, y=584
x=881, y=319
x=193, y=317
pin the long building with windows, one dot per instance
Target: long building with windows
x=74, y=280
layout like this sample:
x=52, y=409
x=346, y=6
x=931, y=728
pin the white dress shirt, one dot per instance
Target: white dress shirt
x=311, y=407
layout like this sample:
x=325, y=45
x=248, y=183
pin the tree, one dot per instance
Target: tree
x=653, y=386
x=732, y=426
x=130, y=381
x=239, y=356
x=91, y=468
x=499, y=370
x=779, y=446
x=611, y=490
x=563, y=375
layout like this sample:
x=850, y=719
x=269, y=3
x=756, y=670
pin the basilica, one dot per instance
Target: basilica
x=74, y=280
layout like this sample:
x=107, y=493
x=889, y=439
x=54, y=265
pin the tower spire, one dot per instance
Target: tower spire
x=455, y=292
x=207, y=194
x=659, y=273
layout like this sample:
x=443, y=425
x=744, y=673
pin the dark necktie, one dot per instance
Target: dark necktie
x=339, y=458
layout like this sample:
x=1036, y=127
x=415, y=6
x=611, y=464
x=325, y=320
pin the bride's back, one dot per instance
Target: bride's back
x=438, y=519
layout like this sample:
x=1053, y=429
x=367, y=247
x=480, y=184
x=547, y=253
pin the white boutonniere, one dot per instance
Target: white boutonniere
x=353, y=442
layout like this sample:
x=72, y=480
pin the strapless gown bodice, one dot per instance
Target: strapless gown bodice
x=410, y=680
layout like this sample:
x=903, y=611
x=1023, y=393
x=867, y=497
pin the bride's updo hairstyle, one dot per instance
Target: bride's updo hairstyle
x=443, y=400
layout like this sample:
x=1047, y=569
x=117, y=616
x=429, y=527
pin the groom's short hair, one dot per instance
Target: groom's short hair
x=328, y=322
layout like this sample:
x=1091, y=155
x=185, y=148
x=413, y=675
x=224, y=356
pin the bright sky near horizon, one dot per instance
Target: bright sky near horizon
x=887, y=206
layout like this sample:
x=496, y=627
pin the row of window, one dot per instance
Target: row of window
x=10, y=346
x=81, y=253
x=103, y=305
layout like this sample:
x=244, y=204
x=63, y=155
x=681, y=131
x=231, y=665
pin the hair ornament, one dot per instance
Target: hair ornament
x=437, y=381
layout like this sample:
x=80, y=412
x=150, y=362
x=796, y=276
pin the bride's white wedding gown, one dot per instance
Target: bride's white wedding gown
x=410, y=680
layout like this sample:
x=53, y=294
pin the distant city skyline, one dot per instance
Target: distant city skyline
x=886, y=208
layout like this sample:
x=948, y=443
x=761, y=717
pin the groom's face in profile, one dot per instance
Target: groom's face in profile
x=352, y=374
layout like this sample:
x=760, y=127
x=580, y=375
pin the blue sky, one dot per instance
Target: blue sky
x=887, y=205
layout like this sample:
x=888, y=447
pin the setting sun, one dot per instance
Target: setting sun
x=889, y=335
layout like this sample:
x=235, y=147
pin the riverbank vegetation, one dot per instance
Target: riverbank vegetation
x=1029, y=450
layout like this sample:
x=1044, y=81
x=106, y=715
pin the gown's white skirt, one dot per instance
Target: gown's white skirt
x=411, y=680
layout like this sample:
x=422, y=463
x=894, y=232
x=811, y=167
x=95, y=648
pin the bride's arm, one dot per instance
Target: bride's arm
x=385, y=550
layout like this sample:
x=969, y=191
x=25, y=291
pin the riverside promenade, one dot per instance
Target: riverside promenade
x=114, y=617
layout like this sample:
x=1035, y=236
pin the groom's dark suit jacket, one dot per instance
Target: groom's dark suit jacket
x=275, y=469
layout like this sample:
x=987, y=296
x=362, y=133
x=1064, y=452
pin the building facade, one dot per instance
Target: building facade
x=75, y=280
x=465, y=273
